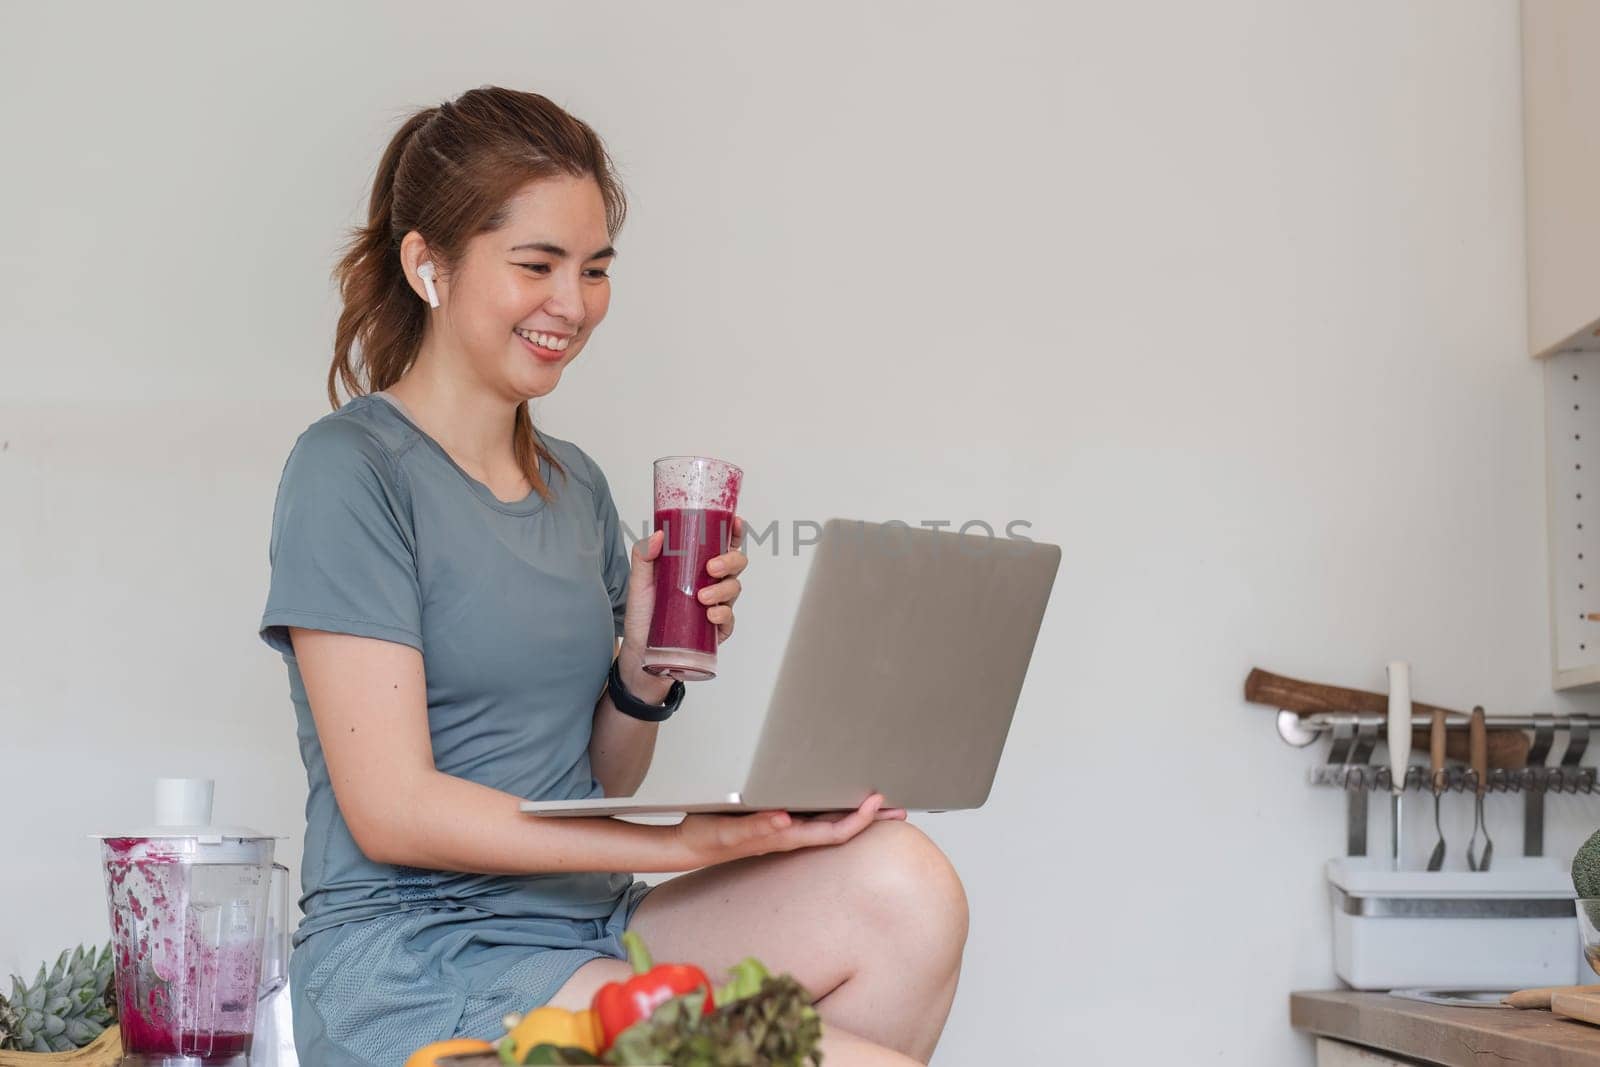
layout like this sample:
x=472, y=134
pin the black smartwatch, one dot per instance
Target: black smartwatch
x=631, y=705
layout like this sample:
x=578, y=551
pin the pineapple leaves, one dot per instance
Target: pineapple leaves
x=67, y=1005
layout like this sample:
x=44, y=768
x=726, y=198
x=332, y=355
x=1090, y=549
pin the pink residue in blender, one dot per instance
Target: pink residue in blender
x=178, y=992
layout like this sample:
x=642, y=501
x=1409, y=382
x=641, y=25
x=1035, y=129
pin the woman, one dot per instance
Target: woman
x=449, y=590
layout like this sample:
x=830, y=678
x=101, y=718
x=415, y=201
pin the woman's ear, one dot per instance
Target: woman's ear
x=413, y=254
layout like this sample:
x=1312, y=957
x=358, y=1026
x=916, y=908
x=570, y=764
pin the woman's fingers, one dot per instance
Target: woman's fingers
x=724, y=592
x=836, y=816
x=834, y=827
x=721, y=596
x=648, y=548
x=734, y=560
x=857, y=821
x=766, y=823
x=783, y=831
x=727, y=564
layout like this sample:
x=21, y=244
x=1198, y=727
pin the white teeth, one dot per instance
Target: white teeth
x=544, y=340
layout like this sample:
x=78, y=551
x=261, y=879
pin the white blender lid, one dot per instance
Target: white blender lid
x=204, y=833
x=183, y=809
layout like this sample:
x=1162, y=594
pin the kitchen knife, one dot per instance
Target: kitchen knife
x=1399, y=738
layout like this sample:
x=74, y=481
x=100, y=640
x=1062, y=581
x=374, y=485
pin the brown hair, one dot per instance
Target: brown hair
x=448, y=173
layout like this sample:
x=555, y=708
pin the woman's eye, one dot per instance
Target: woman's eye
x=544, y=268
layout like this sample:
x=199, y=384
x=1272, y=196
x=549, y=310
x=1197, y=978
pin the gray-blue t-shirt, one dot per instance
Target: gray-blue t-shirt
x=515, y=607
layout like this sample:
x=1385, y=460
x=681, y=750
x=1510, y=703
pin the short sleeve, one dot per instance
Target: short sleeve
x=614, y=564
x=342, y=550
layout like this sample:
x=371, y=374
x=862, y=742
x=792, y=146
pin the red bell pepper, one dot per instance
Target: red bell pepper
x=618, y=1005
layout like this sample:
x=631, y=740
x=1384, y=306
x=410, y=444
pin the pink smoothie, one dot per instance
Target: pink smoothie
x=693, y=537
x=140, y=1034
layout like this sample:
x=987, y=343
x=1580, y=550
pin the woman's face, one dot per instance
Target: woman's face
x=542, y=273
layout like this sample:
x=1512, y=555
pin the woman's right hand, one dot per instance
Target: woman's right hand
x=712, y=839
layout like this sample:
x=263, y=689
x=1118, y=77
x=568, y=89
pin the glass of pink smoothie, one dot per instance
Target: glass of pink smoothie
x=695, y=501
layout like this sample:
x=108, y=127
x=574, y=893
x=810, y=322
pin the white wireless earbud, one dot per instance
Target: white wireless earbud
x=425, y=272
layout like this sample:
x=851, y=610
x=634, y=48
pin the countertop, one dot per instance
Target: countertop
x=1435, y=1033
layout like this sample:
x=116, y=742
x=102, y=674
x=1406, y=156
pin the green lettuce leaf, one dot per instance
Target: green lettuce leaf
x=744, y=981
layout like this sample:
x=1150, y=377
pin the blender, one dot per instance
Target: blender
x=199, y=928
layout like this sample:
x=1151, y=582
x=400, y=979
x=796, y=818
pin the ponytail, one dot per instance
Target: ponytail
x=380, y=310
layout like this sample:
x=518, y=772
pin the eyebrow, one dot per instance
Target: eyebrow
x=558, y=251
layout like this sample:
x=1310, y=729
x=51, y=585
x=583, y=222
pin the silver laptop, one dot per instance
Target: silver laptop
x=900, y=677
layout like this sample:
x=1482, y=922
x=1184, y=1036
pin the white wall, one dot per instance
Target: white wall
x=1224, y=298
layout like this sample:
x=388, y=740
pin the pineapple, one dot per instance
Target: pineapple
x=63, y=1009
x=10, y=1023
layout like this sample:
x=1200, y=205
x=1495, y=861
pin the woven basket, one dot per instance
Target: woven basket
x=103, y=1051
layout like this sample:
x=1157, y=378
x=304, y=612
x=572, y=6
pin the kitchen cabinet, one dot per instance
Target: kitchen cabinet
x=1572, y=514
x=1331, y=1053
x=1561, y=164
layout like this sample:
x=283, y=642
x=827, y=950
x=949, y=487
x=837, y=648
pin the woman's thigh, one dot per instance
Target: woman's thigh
x=820, y=914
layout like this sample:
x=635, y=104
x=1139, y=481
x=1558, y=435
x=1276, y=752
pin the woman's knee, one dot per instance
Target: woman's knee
x=578, y=991
x=909, y=885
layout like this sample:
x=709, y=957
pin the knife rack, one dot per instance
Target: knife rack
x=1458, y=779
x=1354, y=736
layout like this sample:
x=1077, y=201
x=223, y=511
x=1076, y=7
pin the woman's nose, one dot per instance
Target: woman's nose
x=566, y=300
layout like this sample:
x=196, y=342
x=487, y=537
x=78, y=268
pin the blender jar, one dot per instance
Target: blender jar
x=199, y=928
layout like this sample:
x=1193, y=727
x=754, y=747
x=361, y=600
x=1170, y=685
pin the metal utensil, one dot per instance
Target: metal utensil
x=1478, y=746
x=1456, y=998
x=1436, y=737
x=1399, y=739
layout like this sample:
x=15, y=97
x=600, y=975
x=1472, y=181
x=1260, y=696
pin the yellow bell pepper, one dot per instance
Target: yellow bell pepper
x=429, y=1055
x=554, y=1026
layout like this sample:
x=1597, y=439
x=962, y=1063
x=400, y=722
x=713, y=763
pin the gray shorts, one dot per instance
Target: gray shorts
x=369, y=993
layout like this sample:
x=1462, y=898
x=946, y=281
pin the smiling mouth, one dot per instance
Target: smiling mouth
x=549, y=355
x=555, y=342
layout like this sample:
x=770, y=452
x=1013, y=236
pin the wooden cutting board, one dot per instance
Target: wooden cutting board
x=1540, y=998
x=1585, y=1007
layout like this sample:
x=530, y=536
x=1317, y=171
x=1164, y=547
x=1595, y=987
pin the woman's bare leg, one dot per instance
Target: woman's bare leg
x=874, y=928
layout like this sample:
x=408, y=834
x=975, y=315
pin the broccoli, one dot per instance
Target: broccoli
x=1586, y=868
